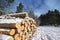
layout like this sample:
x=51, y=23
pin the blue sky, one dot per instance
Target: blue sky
x=39, y=6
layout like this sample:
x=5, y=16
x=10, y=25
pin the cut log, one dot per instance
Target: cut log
x=18, y=25
x=17, y=37
x=22, y=27
x=21, y=33
x=18, y=15
x=8, y=26
x=23, y=37
x=7, y=31
x=12, y=32
x=4, y=32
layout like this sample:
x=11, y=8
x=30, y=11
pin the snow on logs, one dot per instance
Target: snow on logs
x=21, y=30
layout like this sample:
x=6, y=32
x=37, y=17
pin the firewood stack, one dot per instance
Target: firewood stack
x=22, y=30
x=25, y=29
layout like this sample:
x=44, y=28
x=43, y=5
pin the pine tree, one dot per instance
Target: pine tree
x=19, y=8
x=50, y=18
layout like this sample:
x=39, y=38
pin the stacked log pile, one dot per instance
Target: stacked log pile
x=26, y=29
x=22, y=30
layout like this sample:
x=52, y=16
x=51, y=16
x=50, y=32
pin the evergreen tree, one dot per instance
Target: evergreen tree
x=19, y=8
x=50, y=18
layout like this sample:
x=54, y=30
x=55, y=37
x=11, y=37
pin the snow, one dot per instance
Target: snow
x=47, y=33
x=6, y=37
x=10, y=20
x=44, y=33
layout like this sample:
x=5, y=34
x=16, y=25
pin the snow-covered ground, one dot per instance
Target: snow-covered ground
x=44, y=33
x=47, y=33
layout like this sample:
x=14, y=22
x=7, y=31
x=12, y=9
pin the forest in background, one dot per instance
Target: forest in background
x=50, y=18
